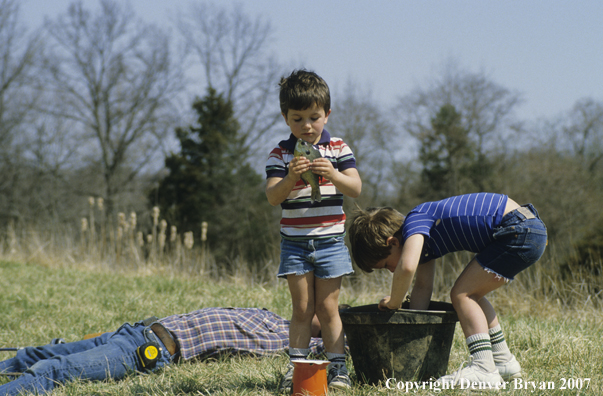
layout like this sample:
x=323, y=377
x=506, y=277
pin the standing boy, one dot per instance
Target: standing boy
x=507, y=238
x=314, y=257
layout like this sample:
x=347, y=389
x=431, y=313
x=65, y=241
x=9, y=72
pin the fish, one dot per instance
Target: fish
x=305, y=149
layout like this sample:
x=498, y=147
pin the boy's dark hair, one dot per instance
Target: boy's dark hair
x=303, y=89
x=369, y=232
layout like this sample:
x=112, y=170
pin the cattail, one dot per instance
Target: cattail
x=140, y=238
x=188, y=240
x=173, y=234
x=121, y=221
x=91, y=202
x=150, y=239
x=100, y=202
x=121, y=218
x=155, y=215
x=162, y=228
x=204, y=231
x=133, y=220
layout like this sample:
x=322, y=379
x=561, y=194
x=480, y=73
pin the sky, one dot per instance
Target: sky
x=550, y=51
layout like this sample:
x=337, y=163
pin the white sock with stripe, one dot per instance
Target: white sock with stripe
x=500, y=349
x=480, y=349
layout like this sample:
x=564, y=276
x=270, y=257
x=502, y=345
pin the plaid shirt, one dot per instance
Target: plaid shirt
x=210, y=331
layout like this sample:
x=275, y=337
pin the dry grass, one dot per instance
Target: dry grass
x=123, y=245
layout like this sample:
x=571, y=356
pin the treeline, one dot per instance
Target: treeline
x=97, y=104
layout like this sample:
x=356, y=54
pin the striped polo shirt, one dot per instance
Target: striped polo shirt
x=463, y=222
x=302, y=219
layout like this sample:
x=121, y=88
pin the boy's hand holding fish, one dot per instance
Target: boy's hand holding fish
x=320, y=166
x=297, y=166
x=324, y=168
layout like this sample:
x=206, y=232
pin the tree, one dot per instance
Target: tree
x=486, y=114
x=447, y=155
x=18, y=56
x=359, y=121
x=210, y=180
x=230, y=52
x=112, y=77
x=384, y=160
x=584, y=131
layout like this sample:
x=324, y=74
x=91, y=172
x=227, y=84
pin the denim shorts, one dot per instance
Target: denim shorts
x=519, y=242
x=328, y=258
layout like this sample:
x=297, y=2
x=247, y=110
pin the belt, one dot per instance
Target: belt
x=166, y=338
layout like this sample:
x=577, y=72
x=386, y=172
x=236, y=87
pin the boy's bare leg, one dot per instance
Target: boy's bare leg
x=489, y=312
x=472, y=285
x=301, y=288
x=478, y=318
x=475, y=314
x=327, y=310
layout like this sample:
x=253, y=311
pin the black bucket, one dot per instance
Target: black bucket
x=404, y=344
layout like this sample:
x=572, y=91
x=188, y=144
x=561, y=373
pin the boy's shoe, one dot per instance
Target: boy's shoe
x=338, y=377
x=472, y=374
x=286, y=384
x=509, y=370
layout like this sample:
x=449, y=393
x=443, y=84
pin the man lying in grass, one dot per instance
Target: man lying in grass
x=150, y=345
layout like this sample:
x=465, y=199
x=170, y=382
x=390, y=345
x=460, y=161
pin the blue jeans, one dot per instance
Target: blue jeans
x=111, y=355
x=328, y=258
x=518, y=243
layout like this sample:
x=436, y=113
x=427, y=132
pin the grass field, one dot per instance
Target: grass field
x=557, y=346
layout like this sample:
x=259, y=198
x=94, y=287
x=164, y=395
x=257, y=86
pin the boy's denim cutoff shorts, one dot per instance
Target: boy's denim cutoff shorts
x=519, y=242
x=328, y=258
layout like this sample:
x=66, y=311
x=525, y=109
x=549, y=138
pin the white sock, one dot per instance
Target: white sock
x=298, y=353
x=500, y=349
x=480, y=349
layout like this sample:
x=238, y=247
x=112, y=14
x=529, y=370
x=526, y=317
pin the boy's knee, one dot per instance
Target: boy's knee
x=455, y=296
x=326, y=310
x=303, y=314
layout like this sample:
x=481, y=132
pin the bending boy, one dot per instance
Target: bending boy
x=507, y=238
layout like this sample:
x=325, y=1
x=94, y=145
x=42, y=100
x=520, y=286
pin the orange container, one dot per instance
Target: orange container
x=309, y=377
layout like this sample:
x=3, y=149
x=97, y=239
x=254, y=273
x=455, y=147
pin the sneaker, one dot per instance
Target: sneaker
x=472, y=374
x=338, y=377
x=286, y=384
x=509, y=370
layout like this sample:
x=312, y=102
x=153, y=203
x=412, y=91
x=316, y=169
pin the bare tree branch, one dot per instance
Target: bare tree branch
x=115, y=80
x=230, y=51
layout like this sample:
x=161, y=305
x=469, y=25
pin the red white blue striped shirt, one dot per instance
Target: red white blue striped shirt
x=302, y=219
x=463, y=222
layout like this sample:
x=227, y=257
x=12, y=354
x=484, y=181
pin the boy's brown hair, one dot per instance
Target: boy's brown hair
x=368, y=235
x=303, y=89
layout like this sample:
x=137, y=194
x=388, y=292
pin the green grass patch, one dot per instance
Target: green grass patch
x=555, y=346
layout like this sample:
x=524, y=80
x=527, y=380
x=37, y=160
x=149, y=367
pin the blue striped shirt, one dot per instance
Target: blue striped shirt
x=463, y=222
